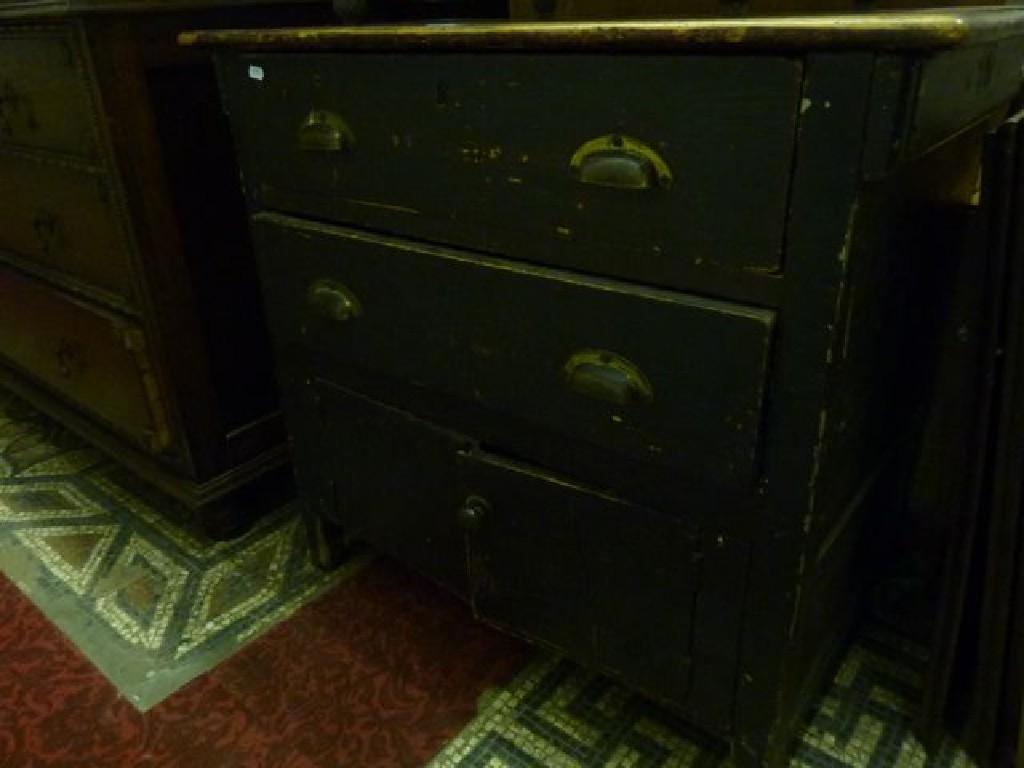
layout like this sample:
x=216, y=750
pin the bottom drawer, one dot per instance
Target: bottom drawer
x=641, y=594
x=90, y=357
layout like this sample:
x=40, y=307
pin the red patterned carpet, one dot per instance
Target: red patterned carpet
x=381, y=671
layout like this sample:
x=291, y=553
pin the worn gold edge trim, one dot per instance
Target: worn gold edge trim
x=917, y=29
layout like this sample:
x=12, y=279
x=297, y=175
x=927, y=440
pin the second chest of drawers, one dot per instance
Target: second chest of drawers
x=128, y=303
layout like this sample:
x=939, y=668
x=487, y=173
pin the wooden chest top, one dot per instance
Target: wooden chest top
x=913, y=30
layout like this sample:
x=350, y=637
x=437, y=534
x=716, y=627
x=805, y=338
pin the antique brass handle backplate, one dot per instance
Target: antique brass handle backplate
x=324, y=131
x=604, y=375
x=620, y=162
x=333, y=300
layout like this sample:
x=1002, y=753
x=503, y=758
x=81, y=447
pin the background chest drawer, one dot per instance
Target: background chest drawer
x=44, y=92
x=95, y=360
x=654, y=376
x=641, y=167
x=63, y=219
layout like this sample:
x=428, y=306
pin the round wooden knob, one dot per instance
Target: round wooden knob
x=472, y=513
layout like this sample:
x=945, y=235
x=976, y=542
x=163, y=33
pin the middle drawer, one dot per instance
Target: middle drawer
x=652, y=375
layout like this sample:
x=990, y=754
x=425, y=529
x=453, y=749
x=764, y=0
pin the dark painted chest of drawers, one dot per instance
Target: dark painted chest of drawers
x=617, y=330
x=128, y=300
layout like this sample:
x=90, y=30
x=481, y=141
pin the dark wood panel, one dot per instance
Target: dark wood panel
x=452, y=151
x=95, y=359
x=958, y=87
x=15, y=9
x=647, y=374
x=45, y=98
x=757, y=535
x=148, y=220
x=387, y=477
x=202, y=183
x=68, y=220
x=588, y=574
x=168, y=303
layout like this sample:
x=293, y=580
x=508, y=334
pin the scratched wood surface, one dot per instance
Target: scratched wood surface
x=477, y=152
x=904, y=31
x=411, y=329
x=464, y=312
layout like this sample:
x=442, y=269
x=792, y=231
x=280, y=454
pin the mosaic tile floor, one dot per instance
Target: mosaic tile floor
x=141, y=592
x=556, y=715
x=153, y=604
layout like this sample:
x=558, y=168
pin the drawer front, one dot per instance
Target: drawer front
x=45, y=100
x=64, y=219
x=94, y=360
x=652, y=376
x=651, y=168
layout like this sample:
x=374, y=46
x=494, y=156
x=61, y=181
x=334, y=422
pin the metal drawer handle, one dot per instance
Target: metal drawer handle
x=49, y=232
x=606, y=376
x=472, y=513
x=69, y=359
x=333, y=300
x=323, y=131
x=13, y=101
x=620, y=162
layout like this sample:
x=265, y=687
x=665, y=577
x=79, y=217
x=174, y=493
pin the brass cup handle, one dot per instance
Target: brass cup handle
x=333, y=300
x=620, y=162
x=603, y=375
x=324, y=131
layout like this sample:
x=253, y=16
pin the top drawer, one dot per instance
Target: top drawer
x=44, y=92
x=649, y=168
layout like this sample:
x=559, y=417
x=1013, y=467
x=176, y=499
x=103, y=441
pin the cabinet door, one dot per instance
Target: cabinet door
x=612, y=584
x=390, y=478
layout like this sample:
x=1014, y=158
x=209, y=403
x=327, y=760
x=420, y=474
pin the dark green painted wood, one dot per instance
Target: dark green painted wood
x=821, y=225
x=780, y=416
x=499, y=334
x=953, y=475
x=475, y=151
x=585, y=572
x=718, y=620
x=893, y=85
x=993, y=674
x=389, y=478
x=703, y=500
x=958, y=87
